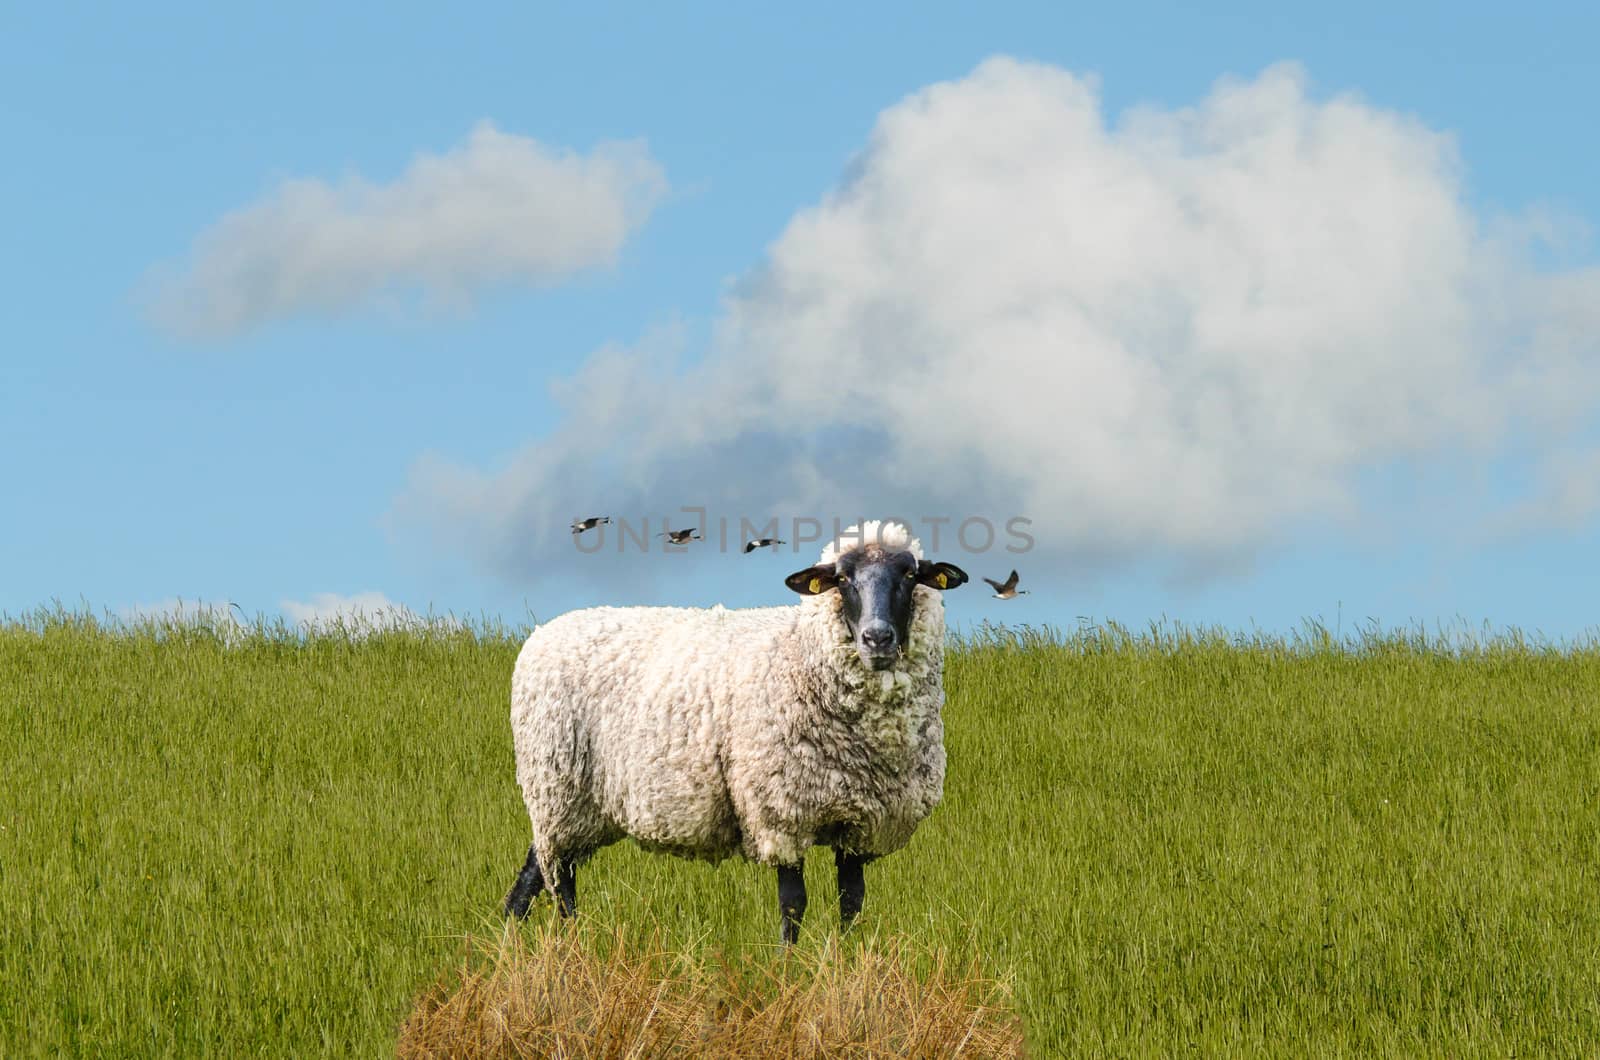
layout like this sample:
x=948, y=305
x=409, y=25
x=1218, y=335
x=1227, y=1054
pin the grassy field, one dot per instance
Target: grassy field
x=1165, y=842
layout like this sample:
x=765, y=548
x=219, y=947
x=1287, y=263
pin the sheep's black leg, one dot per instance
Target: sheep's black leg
x=567, y=887
x=530, y=881
x=792, y=900
x=852, y=886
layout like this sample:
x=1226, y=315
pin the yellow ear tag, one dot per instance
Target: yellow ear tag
x=816, y=586
x=944, y=580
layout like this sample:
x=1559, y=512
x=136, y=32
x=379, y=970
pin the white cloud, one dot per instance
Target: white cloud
x=358, y=612
x=177, y=609
x=1179, y=335
x=226, y=619
x=499, y=208
x=1564, y=494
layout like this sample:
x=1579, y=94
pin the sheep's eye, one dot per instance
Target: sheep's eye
x=844, y=579
x=912, y=573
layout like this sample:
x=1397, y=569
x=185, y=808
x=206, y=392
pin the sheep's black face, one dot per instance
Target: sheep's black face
x=875, y=587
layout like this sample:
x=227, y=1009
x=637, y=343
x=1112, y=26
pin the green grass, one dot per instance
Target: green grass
x=1168, y=842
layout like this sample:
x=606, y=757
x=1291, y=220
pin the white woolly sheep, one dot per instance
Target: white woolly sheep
x=761, y=731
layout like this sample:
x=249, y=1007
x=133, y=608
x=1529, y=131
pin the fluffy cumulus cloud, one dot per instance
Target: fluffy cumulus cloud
x=497, y=209
x=360, y=612
x=1180, y=334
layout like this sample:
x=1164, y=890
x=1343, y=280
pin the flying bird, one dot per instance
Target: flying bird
x=580, y=525
x=1008, y=590
x=751, y=546
x=682, y=537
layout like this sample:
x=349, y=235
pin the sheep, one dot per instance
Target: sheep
x=759, y=732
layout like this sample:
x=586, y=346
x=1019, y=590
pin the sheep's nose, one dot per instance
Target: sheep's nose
x=878, y=638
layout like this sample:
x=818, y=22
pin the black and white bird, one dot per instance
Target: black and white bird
x=751, y=546
x=682, y=537
x=1008, y=590
x=580, y=525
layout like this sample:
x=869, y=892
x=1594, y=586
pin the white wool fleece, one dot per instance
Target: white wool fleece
x=712, y=732
x=890, y=535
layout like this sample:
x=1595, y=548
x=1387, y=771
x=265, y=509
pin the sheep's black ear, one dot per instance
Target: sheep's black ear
x=813, y=580
x=940, y=575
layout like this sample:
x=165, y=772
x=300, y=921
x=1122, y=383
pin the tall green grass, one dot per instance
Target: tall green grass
x=236, y=841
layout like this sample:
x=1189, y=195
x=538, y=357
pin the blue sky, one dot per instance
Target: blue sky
x=1256, y=315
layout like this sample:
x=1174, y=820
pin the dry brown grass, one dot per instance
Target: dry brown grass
x=555, y=991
